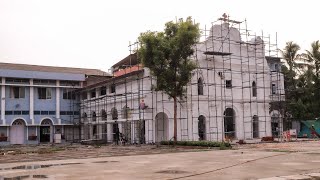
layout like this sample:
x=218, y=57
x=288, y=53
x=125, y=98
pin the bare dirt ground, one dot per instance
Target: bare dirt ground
x=11, y=154
x=282, y=161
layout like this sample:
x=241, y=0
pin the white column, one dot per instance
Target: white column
x=31, y=109
x=110, y=132
x=88, y=97
x=26, y=138
x=133, y=130
x=97, y=92
x=58, y=102
x=3, y=101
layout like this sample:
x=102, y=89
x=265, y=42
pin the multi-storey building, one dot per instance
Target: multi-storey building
x=236, y=92
x=38, y=103
x=228, y=97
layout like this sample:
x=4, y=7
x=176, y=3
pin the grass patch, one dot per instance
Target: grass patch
x=221, y=145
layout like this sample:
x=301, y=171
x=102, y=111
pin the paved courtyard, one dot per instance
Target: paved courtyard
x=253, y=161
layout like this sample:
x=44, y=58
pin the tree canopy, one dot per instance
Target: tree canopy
x=302, y=89
x=167, y=55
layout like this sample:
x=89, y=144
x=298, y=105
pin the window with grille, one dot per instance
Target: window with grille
x=228, y=84
x=44, y=93
x=68, y=94
x=103, y=91
x=17, y=92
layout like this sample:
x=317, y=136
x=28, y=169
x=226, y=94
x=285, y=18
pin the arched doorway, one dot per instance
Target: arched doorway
x=202, y=128
x=161, y=126
x=46, y=130
x=126, y=131
x=275, y=124
x=115, y=126
x=142, y=126
x=17, y=132
x=255, y=126
x=229, y=123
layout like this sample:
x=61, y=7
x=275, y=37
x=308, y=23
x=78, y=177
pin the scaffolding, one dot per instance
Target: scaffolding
x=235, y=93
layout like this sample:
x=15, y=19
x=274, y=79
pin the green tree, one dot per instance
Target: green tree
x=290, y=54
x=167, y=55
x=314, y=56
x=302, y=92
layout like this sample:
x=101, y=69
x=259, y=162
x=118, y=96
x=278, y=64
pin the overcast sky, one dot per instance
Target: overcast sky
x=96, y=33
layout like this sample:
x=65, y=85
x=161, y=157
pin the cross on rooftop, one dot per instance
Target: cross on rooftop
x=225, y=17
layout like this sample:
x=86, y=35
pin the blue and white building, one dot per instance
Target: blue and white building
x=38, y=103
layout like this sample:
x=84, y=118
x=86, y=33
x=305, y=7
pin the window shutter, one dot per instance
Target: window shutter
x=48, y=93
x=22, y=92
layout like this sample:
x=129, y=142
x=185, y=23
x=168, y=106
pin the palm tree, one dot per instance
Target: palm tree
x=314, y=56
x=290, y=54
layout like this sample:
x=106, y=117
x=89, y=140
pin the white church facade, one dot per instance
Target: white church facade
x=228, y=97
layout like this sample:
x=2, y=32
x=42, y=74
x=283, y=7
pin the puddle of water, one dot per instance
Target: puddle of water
x=38, y=176
x=16, y=178
x=30, y=167
x=172, y=172
x=105, y=161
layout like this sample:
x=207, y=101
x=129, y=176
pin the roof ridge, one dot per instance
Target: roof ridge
x=45, y=68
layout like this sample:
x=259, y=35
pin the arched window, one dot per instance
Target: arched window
x=114, y=113
x=200, y=86
x=94, y=116
x=126, y=112
x=254, y=89
x=103, y=115
x=229, y=124
x=84, y=117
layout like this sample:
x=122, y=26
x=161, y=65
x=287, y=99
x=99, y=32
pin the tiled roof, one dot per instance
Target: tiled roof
x=127, y=61
x=115, y=78
x=27, y=67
